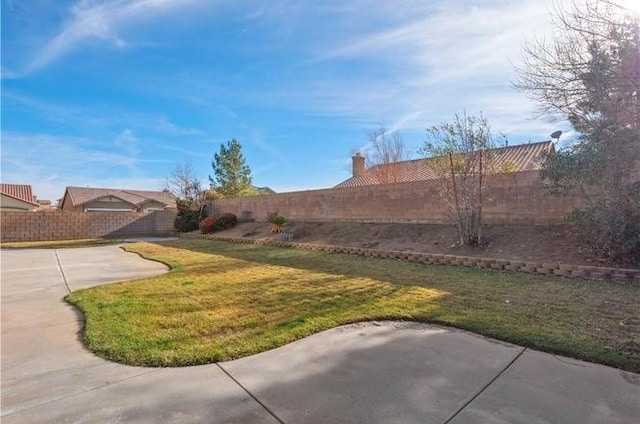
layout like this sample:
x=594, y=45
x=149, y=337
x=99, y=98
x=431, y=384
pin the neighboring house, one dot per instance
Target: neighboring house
x=88, y=199
x=17, y=197
x=46, y=205
x=524, y=157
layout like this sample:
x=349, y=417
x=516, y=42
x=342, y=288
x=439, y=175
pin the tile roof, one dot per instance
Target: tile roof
x=163, y=197
x=524, y=157
x=81, y=195
x=20, y=192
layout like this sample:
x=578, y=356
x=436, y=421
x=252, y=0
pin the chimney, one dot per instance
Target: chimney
x=358, y=165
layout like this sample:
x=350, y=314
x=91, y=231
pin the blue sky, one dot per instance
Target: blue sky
x=116, y=93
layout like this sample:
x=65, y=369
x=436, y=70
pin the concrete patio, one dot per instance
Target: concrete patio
x=387, y=372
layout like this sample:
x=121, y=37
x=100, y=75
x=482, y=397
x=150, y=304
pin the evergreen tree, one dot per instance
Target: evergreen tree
x=232, y=176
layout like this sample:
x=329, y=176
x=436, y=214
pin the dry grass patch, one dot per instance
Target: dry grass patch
x=223, y=301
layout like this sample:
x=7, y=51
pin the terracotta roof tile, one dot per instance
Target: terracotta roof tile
x=20, y=192
x=524, y=157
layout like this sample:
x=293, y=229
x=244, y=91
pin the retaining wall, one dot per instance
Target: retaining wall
x=541, y=268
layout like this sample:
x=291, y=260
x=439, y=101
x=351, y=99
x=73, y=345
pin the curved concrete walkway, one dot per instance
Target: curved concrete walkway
x=363, y=373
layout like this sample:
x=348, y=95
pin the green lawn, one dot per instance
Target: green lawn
x=58, y=244
x=223, y=301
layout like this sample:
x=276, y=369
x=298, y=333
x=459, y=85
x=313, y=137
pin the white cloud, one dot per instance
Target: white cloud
x=409, y=64
x=419, y=62
x=127, y=142
x=93, y=20
x=50, y=163
x=422, y=65
x=165, y=125
x=6, y=74
x=268, y=144
x=97, y=118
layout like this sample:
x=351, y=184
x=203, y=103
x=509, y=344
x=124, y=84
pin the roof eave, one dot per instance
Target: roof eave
x=20, y=199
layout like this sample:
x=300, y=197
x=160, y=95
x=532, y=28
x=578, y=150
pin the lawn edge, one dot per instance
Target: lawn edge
x=616, y=361
x=141, y=255
x=585, y=272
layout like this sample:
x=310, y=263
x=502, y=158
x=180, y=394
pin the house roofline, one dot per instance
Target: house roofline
x=111, y=195
x=20, y=199
x=112, y=192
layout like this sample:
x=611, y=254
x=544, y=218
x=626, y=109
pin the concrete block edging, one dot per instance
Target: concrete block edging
x=555, y=269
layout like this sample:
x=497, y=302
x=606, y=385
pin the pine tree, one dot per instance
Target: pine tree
x=232, y=174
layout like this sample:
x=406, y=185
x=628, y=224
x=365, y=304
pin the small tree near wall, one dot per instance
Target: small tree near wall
x=232, y=176
x=459, y=153
x=183, y=183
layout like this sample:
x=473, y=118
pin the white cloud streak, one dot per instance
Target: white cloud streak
x=411, y=64
x=51, y=162
x=435, y=62
x=97, y=118
x=94, y=20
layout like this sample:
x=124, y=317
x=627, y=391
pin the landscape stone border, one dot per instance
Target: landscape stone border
x=541, y=268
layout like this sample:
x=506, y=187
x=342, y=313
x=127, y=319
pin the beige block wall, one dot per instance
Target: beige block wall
x=43, y=226
x=515, y=198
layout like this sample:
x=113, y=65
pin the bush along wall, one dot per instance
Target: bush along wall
x=188, y=218
x=213, y=224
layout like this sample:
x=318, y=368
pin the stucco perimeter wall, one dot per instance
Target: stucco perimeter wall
x=44, y=226
x=515, y=198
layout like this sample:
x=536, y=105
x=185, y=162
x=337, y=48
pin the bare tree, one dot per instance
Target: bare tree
x=386, y=150
x=183, y=183
x=589, y=68
x=459, y=153
x=589, y=73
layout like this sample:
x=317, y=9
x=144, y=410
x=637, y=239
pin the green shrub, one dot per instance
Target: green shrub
x=226, y=221
x=278, y=221
x=612, y=229
x=188, y=218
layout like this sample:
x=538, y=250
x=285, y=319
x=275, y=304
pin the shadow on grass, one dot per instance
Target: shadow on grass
x=596, y=321
x=348, y=265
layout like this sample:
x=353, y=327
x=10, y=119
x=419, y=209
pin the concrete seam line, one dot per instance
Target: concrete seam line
x=265, y=407
x=80, y=393
x=64, y=277
x=493, y=380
